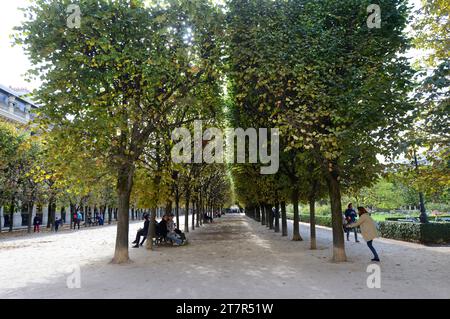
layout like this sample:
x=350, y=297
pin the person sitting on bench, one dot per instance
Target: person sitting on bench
x=206, y=218
x=161, y=228
x=142, y=232
x=172, y=232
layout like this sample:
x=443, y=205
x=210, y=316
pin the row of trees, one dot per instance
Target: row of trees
x=31, y=174
x=18, y=160
x=30, y=178
x=344, y=94
x=115, y=88
x=338, y=90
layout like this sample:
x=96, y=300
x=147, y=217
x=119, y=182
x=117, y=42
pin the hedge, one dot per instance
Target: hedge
x=430, y=218
x=430, y=233
x=320, y=220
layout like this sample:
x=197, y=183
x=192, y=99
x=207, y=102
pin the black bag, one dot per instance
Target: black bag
x=182, y=235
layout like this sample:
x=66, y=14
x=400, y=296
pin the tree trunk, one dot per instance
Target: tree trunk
x=336, y=212
x=103, y=212
x=296, y=227
x=199, y=207
x=168, y=208
x=85, y=214
x=277, y=217
x=284, y=230
x=30, y=215
x=73, y=210
x=177, y=207
x=423, y=213
x=194, y=210
x=52, y=214
x=201, y=210
x=258, y=213
x=186, y=213
x=124, y=187
x=49, y=214
x=11, y=214
x=266, y=215
x=270, y=216
x=110, y=213
x=151, y=229
x=312, y=222
x=63, y=215
x=263, y=214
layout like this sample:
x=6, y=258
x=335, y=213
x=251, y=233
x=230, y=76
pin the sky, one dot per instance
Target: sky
x=13, y=61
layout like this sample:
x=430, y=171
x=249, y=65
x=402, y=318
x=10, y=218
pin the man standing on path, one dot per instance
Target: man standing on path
x=350, y=216
x=37, y=224
x=77, y=217
x=57, y=223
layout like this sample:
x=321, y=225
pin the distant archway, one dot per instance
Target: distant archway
x=236, y=209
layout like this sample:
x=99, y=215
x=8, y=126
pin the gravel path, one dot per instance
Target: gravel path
x=234, y=257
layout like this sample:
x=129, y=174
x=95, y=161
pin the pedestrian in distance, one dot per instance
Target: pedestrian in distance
x=79, y=219
x=37, y=224
x=350, y=217
x=57, y=223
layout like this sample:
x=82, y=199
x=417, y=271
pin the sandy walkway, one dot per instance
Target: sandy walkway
x=233, y=258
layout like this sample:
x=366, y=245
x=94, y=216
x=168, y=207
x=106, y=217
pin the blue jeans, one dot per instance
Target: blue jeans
x=175, y=238
x=375, y=255
x=348, y=230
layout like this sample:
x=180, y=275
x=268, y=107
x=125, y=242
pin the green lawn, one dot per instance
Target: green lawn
x=382, y=217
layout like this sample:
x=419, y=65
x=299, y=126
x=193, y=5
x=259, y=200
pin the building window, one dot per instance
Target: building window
x=20, y=106
x=3, y=99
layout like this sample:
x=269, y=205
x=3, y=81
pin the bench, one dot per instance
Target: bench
x=159, y=240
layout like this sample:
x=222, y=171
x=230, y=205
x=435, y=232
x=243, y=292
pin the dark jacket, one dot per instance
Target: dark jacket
x=36, y=221
x=161, y=228
x=350, y=215
x=146, y=225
